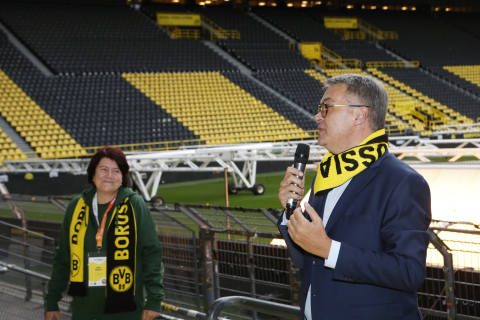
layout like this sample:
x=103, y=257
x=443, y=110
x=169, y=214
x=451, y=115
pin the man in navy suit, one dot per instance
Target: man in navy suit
x=362, y=240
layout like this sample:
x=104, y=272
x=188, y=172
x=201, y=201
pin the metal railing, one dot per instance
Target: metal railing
x=179, y=33
x=270, y=308
x=213, y=252
x=375, y=33
x=351, y=35
x=217, y=32
x=180, y=259
x=392, y=64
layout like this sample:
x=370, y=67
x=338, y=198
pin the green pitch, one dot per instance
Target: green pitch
x=212, y=192
x=206, y=192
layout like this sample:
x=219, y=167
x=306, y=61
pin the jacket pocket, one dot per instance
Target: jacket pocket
x=385, y=311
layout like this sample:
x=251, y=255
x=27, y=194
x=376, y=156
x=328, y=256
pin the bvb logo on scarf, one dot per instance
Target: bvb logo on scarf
x=121, y=256
x=336, y=169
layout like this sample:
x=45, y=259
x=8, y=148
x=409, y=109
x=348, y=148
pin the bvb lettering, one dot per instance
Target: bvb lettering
x=121, y=278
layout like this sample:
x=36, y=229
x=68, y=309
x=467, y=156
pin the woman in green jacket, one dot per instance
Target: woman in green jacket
x=108, y=249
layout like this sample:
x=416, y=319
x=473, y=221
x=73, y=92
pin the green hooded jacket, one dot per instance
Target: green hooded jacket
x=149, y=268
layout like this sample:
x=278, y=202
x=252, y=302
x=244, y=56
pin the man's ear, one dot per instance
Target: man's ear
x=361, y=116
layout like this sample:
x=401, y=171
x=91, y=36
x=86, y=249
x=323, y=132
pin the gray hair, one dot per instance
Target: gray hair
x=368, y=91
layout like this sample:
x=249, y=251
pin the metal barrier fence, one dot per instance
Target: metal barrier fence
x=214, y=252
x=22, y=288
x=452, y=286
x=235, y=255
x=180, y=259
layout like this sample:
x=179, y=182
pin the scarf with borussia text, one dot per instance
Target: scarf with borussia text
x=121, y=256
x=336, y=169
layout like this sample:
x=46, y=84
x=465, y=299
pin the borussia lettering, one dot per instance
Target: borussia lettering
x=123, y=209
x=78, y=225
x=337, y=164
x=122, y=231
x=122, y=218
x=121, y=254
x=381, y=148
x=367, y=156
x=325, y=167
x=349, y=163
x=353, y=162
x=122, y=242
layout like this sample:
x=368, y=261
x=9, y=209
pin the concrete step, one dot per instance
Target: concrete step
x=26, y=52
x=243, y=69
x=271, y=27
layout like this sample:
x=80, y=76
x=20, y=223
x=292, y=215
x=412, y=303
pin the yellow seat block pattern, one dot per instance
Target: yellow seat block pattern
x=469, y=73
x=215, y=108
x=9, y=150
x=46, y=136
x=436, y=113
x=316, y=75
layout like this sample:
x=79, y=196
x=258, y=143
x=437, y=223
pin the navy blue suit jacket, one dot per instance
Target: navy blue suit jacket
x=381, y=221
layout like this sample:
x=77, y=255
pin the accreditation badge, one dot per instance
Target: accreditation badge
x=97, y=269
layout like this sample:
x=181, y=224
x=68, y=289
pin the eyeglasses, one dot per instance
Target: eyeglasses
x=323, y=107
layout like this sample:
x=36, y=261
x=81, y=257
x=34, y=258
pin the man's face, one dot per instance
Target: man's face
x=335, y=129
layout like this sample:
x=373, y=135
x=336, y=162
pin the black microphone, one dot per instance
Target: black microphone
x=301, y=158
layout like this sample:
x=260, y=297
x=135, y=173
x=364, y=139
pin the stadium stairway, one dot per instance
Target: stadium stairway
x=16, y=138
x=271, y=27
x=428, y=91
x=424, y=111
x=234, y=116
x=229, y=58
x=25, y=51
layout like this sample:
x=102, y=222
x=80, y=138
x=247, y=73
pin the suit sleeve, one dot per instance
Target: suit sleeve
x=151, y=253
x=401, y=263
x=296, y=253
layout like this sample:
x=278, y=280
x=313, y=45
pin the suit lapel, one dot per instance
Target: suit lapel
x=356, y=185
x=318, y=204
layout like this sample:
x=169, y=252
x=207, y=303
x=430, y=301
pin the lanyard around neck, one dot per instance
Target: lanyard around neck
x=101, y=229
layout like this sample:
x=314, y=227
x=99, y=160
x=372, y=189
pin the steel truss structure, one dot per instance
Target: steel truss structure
x=229, y=158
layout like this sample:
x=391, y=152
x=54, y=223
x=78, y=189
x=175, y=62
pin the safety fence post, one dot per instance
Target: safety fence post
x=448, y=272
x=208, y=285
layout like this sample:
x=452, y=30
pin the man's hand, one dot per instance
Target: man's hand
x=287, y=186
x=150, y=314
x=311, y=236
x=53, y=315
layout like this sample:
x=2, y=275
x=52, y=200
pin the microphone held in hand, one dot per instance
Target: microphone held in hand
x=301, y=157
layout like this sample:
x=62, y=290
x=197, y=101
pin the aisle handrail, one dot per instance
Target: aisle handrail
x=268, y=307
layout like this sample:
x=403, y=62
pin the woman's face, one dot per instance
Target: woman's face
x=107, y=177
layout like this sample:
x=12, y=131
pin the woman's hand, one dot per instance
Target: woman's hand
x=53, y=315
x=150, y=314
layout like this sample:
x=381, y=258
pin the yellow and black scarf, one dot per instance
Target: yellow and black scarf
x=121, y=256
x=349, y=163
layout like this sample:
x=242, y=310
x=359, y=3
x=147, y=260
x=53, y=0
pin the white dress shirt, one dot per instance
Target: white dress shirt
x=332, y=199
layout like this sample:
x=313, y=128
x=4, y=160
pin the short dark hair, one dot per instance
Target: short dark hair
x=367, y=90
x=114, y=154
